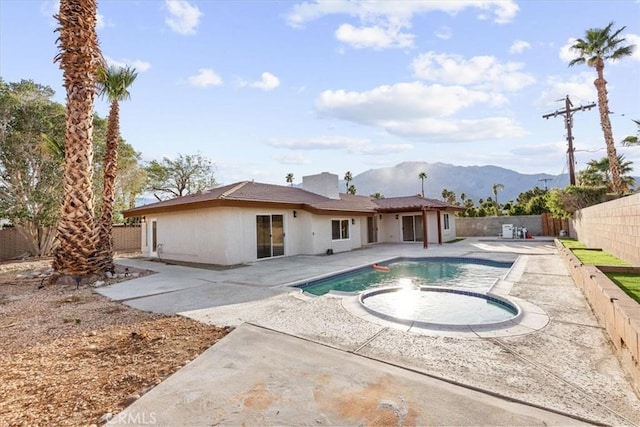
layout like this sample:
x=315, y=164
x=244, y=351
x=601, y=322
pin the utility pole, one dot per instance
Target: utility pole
x=567, y=113
x=545, y=182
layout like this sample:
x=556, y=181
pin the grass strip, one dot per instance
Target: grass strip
x=628, y=282
x=591, y=257
x=570, y=243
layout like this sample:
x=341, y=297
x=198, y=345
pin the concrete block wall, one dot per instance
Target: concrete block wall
x=127, y=238
x=613, y=226
x=618, y=313
x=491, y=226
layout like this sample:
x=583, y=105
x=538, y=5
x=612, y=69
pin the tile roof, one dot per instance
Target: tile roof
x=249, y=192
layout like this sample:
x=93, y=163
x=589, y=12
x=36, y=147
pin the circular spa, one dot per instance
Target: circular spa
x=436, y=306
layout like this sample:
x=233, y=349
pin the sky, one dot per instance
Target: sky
x=266, y=88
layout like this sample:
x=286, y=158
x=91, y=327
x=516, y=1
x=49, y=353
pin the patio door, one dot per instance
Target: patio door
x=412, y=228
x=372, y=229
x=270, y=236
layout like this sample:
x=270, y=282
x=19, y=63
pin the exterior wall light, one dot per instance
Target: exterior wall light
x=353, y=221
x=295, y=214
x=397, y=216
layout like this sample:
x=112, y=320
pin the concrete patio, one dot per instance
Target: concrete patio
x=297, y=360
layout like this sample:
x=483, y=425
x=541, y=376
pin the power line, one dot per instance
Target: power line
x=567, y=113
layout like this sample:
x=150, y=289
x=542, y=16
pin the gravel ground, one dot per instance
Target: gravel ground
x=71, y=357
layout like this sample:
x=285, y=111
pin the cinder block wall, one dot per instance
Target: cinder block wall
x=127, y=238
x=613, y=226
x=492, y=226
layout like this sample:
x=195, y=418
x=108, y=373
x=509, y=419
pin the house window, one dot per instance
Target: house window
x=339, y=229
x=446, y=221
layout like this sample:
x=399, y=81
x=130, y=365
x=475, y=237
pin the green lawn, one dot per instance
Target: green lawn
x=571, y=243
x=628, y=282
x=592, y=257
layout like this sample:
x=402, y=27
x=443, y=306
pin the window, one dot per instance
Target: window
x=339, y=229
x=446, y=221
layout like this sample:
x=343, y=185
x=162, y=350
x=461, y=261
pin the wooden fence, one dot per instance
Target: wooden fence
x=126, y=238
x=552, y=226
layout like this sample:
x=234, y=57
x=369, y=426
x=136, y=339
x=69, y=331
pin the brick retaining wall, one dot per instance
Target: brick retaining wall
x=617, y=312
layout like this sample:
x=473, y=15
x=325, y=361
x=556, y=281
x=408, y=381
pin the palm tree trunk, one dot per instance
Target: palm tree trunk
x=105, y=227
x=603, y=106
x=79, y=55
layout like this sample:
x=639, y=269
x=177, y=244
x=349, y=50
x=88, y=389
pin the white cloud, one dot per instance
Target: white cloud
x=566, y=53
x=183, y=17
x=292, y=159
x=392, y=11
x=354, y=146
x=579, y=87
x=139, y=65
x=444, y=33
x=518, y=46
x=478, y=71
x=205, y=77
x=417, y=110
x=267, y=82
x=634, y=39
x=401, y=101
x=375, y=37
x=456, y=130
x=382, y=22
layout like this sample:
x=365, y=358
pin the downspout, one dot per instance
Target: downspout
x=425, y=235
x=439, y=227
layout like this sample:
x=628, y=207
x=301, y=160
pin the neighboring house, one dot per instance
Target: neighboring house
x=248, y=221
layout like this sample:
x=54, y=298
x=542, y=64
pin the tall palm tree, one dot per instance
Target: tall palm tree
x=602, y=44
x=348, y=177
x=495, y=188
x=79, y=58
x=422, y=176
x=113, y=84
x=289, y=179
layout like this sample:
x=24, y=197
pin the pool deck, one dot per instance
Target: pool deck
x=298, y=360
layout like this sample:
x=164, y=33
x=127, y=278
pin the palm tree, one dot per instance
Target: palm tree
x=602, y=44
x=377, y=195
x=289, y=179
x=348, y=178
x=79, y=58
x=351, y=189
x=495, y=188
x=422, y=176
x=597, y=173
x=633, y=139
x=113, y=83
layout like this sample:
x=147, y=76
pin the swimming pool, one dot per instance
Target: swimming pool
x=466, y=273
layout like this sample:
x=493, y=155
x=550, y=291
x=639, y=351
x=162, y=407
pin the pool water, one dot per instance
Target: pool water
x=467, y=273
x=446, y=307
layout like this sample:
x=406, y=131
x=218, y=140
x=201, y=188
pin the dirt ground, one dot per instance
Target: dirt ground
x=71, y=356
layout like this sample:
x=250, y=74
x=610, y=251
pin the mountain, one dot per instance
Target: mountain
x=475, y=182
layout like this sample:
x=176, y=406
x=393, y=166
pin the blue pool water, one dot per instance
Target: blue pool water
x=468, y=273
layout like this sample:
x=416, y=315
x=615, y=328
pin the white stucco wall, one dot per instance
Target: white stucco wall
x=227, y=236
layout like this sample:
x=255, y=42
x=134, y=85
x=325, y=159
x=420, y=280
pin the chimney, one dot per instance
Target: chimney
x=324, y=184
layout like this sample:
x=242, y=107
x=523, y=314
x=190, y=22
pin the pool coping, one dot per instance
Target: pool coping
x=531, y=318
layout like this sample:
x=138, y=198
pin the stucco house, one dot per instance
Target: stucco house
x=249, y=221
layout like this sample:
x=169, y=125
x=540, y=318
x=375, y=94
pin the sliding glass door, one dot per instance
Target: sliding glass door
x=270, y=235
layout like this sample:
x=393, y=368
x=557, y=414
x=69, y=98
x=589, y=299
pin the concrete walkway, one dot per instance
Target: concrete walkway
x=294, y=360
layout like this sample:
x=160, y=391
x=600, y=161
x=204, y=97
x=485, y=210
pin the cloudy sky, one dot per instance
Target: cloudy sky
x=265, y=88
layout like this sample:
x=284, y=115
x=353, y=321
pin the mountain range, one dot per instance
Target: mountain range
x=476, y=182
